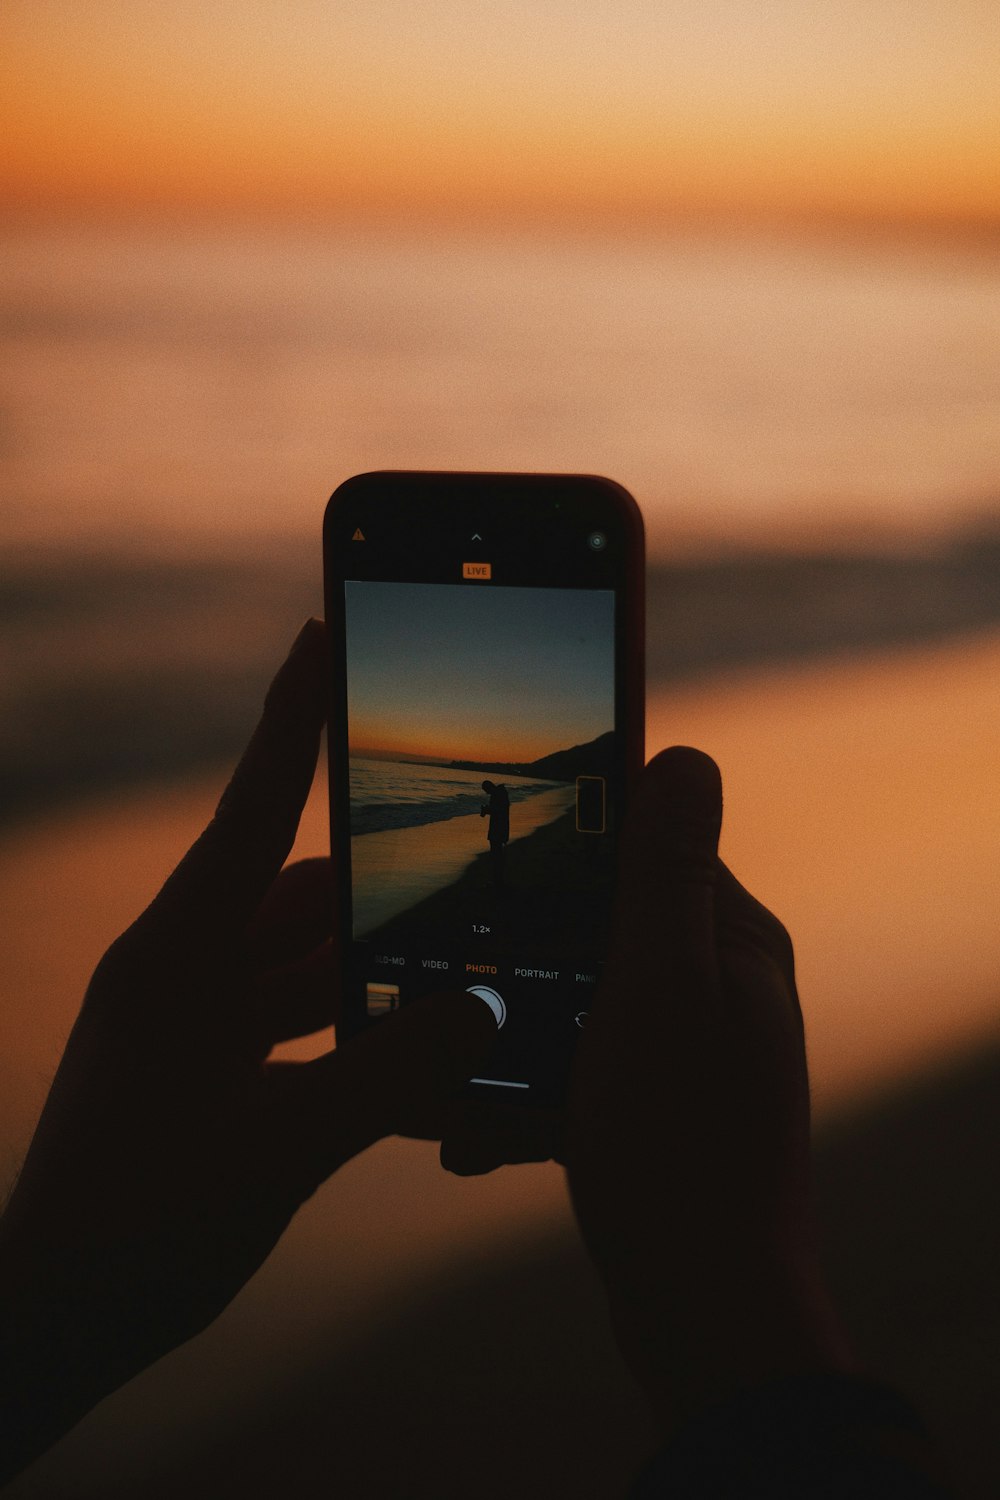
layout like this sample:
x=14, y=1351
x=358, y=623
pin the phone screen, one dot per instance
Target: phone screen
x=486, y=718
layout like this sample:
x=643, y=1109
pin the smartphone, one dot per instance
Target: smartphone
x=486, y=725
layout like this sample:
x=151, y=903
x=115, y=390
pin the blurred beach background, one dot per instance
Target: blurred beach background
x=745, y=262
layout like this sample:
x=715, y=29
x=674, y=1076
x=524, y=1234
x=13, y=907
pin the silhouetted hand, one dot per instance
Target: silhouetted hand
x=688, y=1123
x=171, y=1154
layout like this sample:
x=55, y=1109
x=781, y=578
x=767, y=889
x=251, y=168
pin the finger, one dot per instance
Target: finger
x=299, y=999
x=401, y=1070
x=651, y=1042
x=479, y=1137
x=296, y=915
x=664, y=931
x=222, y=880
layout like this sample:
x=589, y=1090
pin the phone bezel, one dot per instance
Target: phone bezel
x=477, y=492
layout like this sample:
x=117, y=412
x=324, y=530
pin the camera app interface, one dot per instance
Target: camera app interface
x=482, y=774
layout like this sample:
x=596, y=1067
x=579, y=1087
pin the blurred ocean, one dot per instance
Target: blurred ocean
x=166, y=389
x=810, y=429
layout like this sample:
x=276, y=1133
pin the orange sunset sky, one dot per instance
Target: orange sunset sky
x=616, y=111
x=433, y=670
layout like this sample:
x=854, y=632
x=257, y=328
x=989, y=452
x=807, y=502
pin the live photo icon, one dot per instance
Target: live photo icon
x=477, y=570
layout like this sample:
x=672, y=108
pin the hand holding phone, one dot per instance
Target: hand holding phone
x=688, y=1123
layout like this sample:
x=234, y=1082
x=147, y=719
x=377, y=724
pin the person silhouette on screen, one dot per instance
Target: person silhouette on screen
x=498, y=832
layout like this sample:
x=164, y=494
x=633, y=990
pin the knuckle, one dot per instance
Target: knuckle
x=779, y=938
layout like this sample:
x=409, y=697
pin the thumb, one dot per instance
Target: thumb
x=649, y=1047
x=395, y=1078
x=663, y=955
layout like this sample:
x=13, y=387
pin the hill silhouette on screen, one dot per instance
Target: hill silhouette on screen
x=592, y=759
